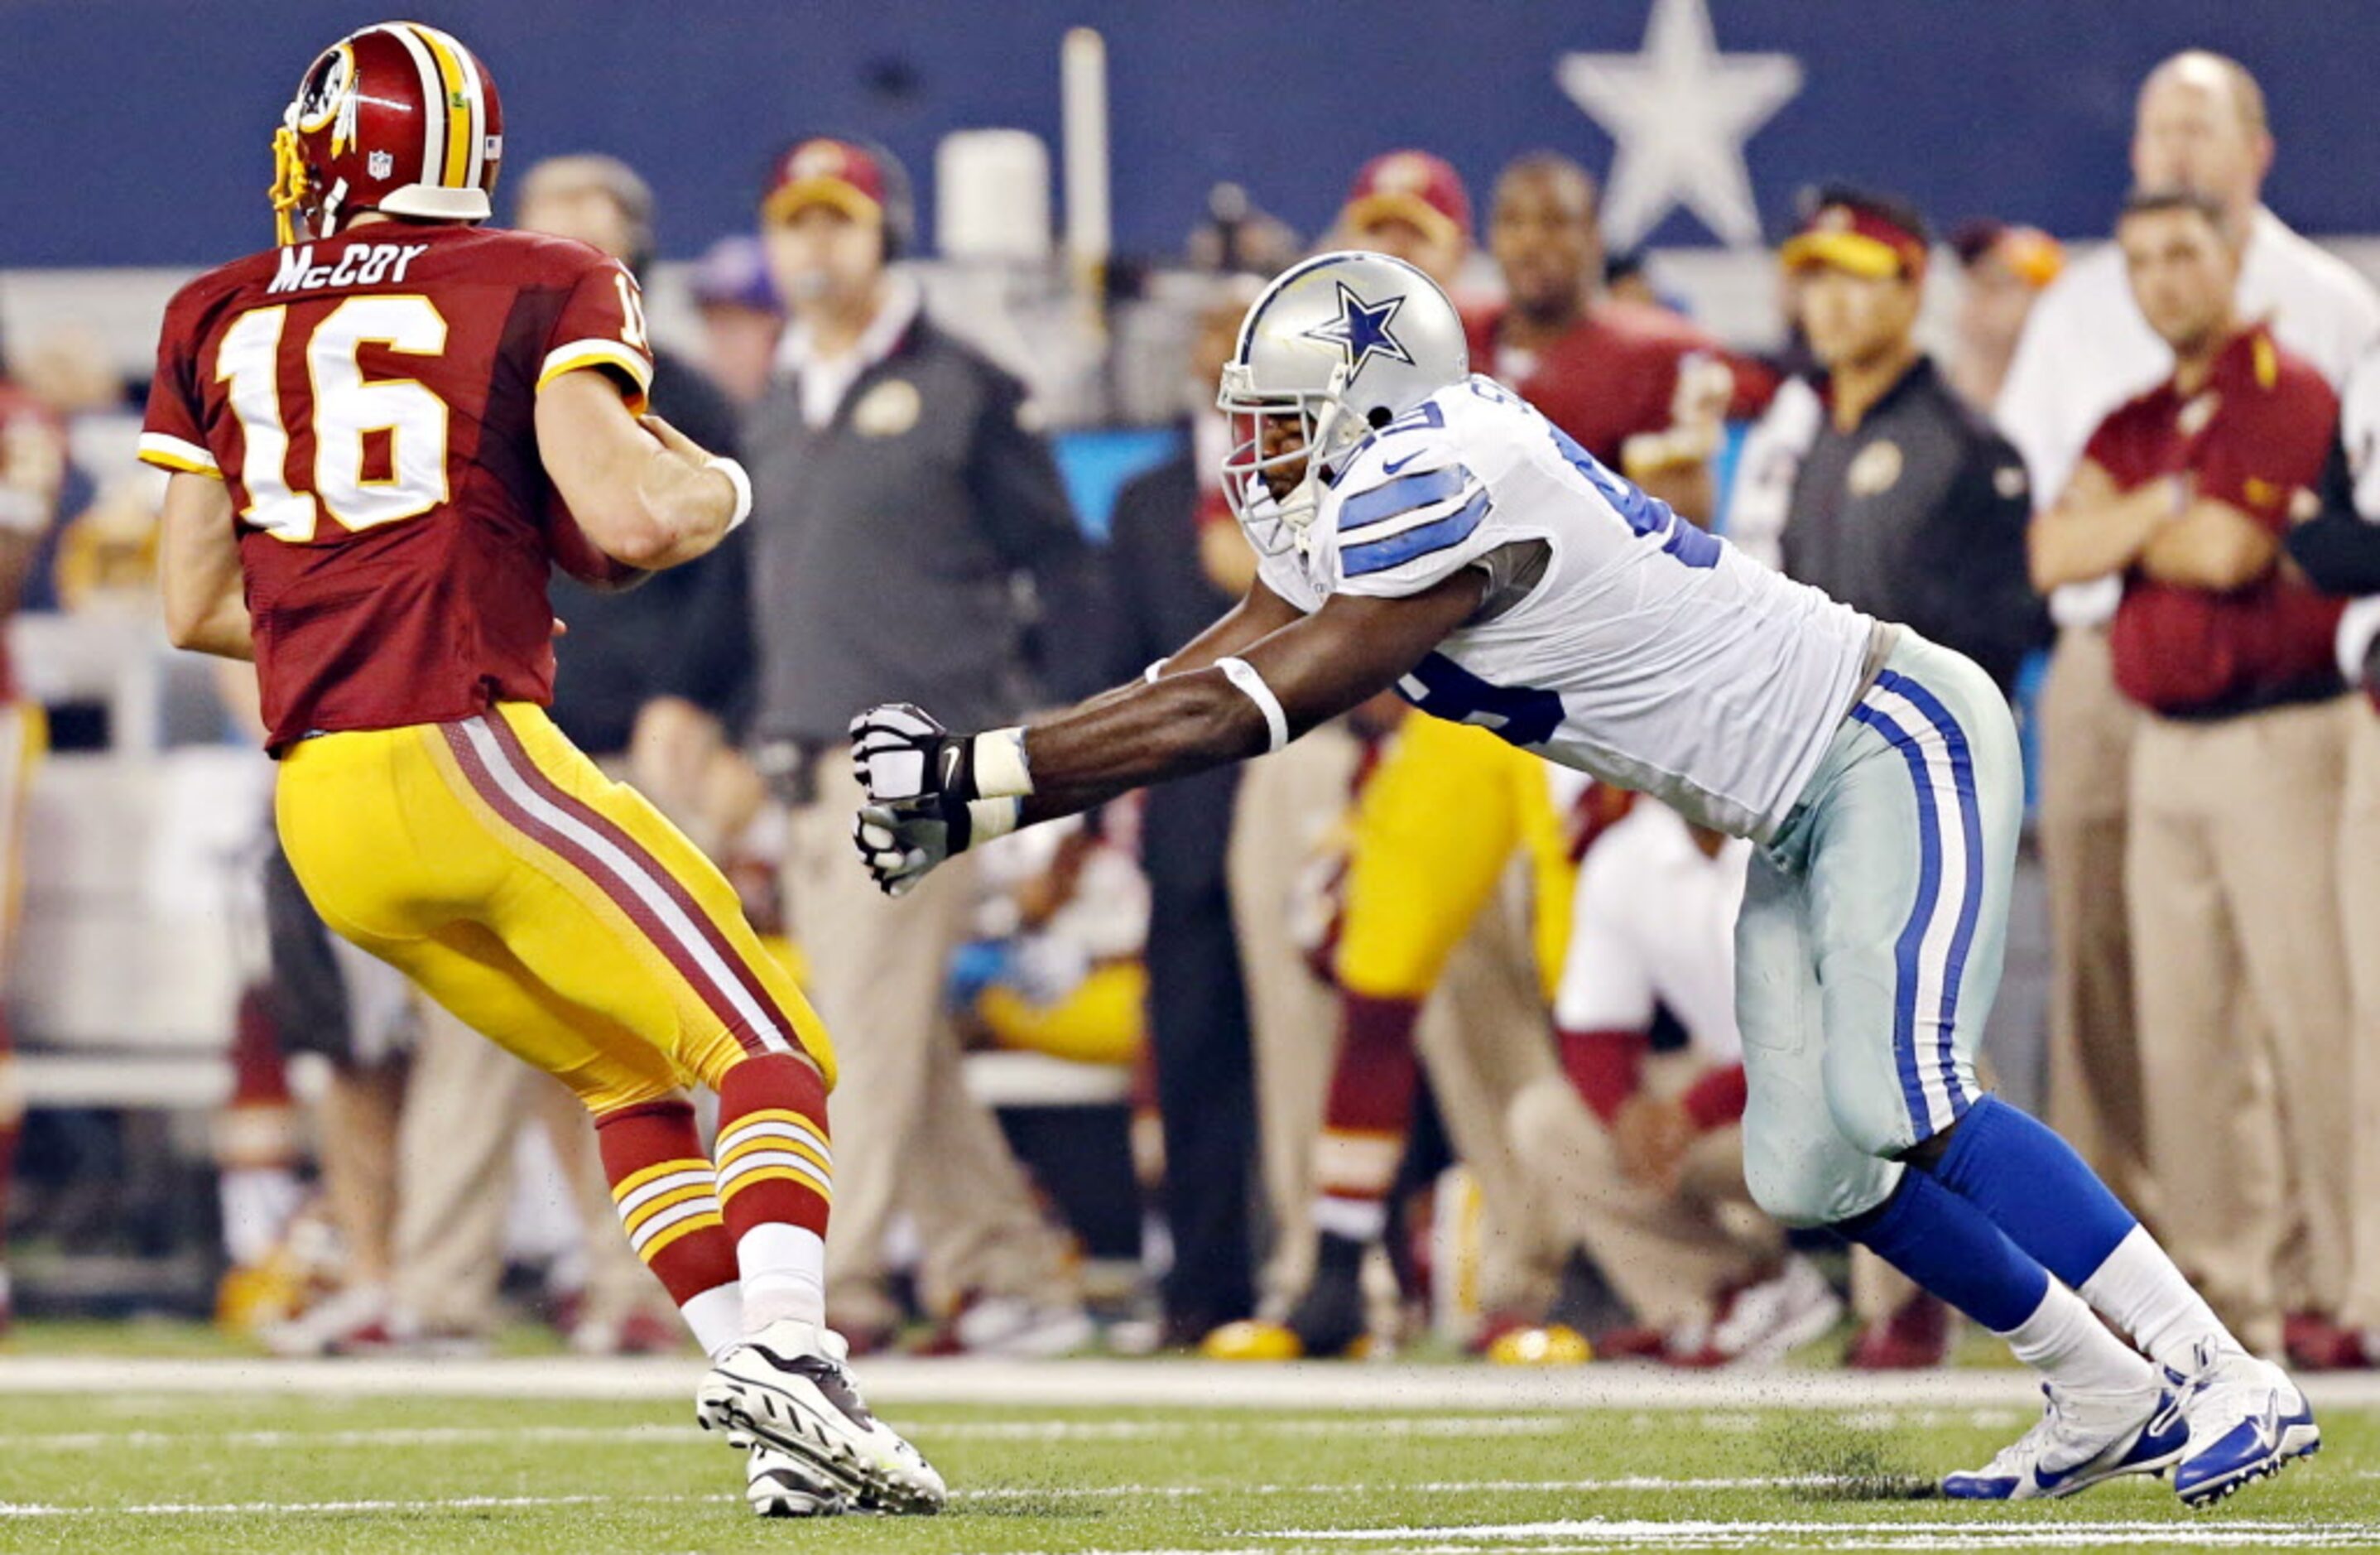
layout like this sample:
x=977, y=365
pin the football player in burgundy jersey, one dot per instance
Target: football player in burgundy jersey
x=384, y=432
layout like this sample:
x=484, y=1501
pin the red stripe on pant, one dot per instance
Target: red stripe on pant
x=599, y=874
x=620, y=837
x=634, y=1138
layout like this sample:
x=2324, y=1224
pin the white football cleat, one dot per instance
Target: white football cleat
x=2247, y=1420
x=787, y=1387
x=2081, y=1439
x=779, y=1484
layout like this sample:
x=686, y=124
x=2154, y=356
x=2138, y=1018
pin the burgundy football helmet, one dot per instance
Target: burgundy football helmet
x=398, y=117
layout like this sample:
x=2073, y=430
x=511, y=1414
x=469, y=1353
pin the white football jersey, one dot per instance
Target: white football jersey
x=1617, y=637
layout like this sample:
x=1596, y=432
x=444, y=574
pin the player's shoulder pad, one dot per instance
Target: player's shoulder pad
x=1407, y=493
x=562, y=261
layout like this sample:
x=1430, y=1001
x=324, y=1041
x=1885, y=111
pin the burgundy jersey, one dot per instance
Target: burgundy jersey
x=2258, y=430
x=1612, y=374
x=369, y=401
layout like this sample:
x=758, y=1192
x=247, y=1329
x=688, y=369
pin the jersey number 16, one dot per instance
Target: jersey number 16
x=347, y=409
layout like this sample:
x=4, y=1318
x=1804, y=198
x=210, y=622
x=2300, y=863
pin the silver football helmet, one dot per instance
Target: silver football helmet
x=1345, y=342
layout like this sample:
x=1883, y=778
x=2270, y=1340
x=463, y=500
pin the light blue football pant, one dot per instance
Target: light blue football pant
x=1869, y=945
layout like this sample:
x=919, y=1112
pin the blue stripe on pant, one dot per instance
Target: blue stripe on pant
x=1868, y=949
x=1948, y=747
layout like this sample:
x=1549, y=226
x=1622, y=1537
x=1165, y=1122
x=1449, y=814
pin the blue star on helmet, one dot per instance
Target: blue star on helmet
x=1361, y=330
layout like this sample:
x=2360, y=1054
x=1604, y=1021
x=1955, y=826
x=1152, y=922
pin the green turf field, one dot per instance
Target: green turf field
x=218, y=1468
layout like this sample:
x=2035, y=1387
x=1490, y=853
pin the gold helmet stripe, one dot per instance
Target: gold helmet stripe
x=476, y=90
x=458, y=101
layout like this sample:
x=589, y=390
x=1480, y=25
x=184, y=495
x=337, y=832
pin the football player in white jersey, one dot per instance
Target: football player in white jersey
x=1426, y=529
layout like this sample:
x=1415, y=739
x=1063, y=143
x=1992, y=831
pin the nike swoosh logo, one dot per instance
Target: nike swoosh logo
x=950, y=755
x=1390, y=468
x=2050, y=1480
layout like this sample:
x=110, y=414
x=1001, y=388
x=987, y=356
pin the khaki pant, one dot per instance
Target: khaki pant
x=2094, y=1096
x=2359, y=899
x=1483, y=1037
x=1666, y=1255
x=908, y=1136
x=2242, y=1003
x=464, y=1102
x=1287, y=803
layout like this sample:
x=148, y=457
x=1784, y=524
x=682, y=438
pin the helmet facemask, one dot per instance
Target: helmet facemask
x=1277, y=523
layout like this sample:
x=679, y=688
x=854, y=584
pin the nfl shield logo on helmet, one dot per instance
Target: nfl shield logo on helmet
x=381, y=163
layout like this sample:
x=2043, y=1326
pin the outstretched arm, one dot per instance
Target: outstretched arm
x=936, y=793
x=1314, y=668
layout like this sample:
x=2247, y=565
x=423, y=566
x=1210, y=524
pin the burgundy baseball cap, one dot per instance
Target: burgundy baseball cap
x=1413, y=187
x=825, y=171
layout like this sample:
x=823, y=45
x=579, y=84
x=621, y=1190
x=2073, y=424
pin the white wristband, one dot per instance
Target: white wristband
x=1242, y=674
x=988, y=819
x=999, y=769
x=737, y=478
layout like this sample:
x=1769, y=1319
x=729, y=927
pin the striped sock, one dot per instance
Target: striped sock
x=1367, y=1116
x=668, y=1201
x=776, y=1179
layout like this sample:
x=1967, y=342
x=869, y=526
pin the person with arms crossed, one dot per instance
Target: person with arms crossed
x=2236, y=775
x=2199, y=124
x=1501, y=575
x=382, y=431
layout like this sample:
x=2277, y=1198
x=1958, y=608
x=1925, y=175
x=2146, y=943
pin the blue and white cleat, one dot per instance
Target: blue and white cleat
x=2081, y=1439
x=2247, y=1420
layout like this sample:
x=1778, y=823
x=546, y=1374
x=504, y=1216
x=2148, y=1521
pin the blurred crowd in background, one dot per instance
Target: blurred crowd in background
x=1400, y=1031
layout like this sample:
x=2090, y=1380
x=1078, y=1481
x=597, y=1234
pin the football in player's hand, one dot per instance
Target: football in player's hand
x=577, y=555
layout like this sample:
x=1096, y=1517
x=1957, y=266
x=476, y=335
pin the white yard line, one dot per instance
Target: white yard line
x=1452, y=1426
x=1552, y=1537
x=1599, y=1533
x=1304, y=1387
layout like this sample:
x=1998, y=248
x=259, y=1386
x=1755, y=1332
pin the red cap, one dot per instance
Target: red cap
x=1410, y=186
x=1857, y=238
x=824, y=171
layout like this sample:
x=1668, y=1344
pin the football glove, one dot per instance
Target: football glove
x=901, y=843
x=926, y=791
x=900, y=751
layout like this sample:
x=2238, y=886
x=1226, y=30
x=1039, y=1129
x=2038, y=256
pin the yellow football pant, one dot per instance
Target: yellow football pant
x=1432, y=831
x=550, y=908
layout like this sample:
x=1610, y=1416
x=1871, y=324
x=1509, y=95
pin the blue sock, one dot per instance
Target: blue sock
x=1952, y=1248
x=2036, y=1188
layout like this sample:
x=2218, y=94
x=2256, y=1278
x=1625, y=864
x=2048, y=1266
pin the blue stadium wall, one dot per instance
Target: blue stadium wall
x=139, y=129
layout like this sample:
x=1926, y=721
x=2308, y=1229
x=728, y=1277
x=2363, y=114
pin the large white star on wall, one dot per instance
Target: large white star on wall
x=1679, y=112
